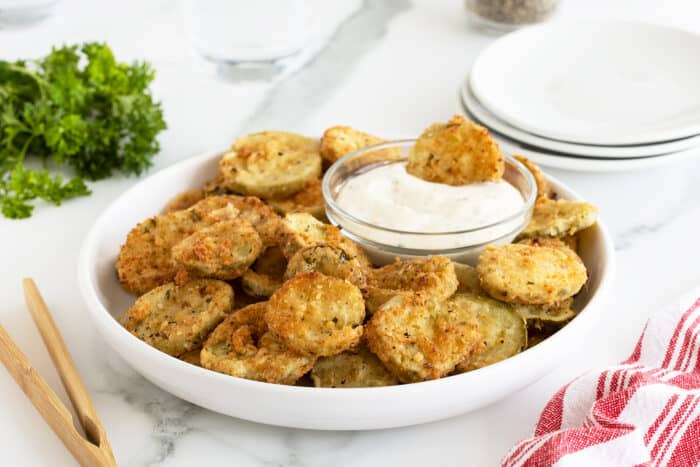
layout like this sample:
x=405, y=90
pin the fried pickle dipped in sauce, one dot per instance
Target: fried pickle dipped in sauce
x=458, y=152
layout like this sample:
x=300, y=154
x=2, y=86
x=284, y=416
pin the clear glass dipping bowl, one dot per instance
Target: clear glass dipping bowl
x=383, y=245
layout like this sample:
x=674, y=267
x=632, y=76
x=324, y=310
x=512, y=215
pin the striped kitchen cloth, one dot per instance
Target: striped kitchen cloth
x=642, y=412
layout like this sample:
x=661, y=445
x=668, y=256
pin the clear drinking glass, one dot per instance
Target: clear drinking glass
x=251, y=39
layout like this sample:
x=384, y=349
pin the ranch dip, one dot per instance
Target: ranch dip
x=389, y=197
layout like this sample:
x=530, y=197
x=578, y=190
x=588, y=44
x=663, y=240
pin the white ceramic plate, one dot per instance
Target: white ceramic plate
x=305, y=407
x=606, y=83
x=583, y=164
x=475, y=108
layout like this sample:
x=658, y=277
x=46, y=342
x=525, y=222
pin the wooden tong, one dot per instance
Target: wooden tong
x=91, y=450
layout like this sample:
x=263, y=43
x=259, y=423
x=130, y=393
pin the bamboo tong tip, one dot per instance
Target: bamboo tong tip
x=93, y=449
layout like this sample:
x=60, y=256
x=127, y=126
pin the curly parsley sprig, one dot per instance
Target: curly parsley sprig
x=76, y=107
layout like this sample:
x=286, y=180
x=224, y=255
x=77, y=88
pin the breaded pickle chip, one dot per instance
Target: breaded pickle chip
x=456, y=153
x=184, y=200
x=338, y=141
x=433, y=276
x=302, y=230
x=543, y=188
x=242, y=346
x=569, y=242
x=546, y=316
x=145, y=261
x=559, y=218
x=502, y=330
x=419, y=338
x=222, y=251
x=317, y=314
x=192, y=357
x=467, y=278
x=270, y=164
x=360, y=369
x=260, y=215
x=329, y=260
x=309, y=199
x=527, y=274
x=265, y=275
x=177, y=319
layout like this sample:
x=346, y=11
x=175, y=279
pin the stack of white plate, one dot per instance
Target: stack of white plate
x=590, y=96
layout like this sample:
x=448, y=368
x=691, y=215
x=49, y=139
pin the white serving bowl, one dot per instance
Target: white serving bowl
x=308, y=407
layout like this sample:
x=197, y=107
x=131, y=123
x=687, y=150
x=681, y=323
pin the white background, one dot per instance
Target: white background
x=391, y=69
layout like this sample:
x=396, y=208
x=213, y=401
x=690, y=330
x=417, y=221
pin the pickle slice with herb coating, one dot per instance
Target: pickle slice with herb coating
x=177, y=319
x=458, y=152
x=309, y=199
x=192, y=357
x=329, y=260
x=559, y=218
x=543, y=188
x=420, y=338
x=467, y=279
x=553, y=242
x=360, y=369
x=529, y=275
x=270, y=164
x=145, y=262
x=541, y=316
x=265, y=276
x=317, y=314
x=433, y=276
x=338, y=141
x=302, y=230
x=503, y=332
x=184, y=200
x=222, y=251
x=242, y=346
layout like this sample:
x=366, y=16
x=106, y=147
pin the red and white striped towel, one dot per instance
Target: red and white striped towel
x=643, y=412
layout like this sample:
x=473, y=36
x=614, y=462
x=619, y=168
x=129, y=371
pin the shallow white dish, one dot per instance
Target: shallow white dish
x=304, y=407
x=583, y=164
x=589, y=82
x=475, y=108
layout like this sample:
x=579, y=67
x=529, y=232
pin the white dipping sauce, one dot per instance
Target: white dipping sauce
x=389, y=197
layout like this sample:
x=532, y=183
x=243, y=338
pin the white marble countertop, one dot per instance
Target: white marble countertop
x=390, y=67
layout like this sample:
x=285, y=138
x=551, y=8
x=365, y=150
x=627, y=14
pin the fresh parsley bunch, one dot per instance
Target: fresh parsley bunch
x=79, y=107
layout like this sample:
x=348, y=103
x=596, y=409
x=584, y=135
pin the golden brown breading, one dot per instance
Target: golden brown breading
x=184, y=200
x=456, y=153
x=222, y=251
x=270, y=164
x=419, y=338
x=433, y=276
x=338, y=141
x=242, y=346
x=329, y=260
x=467, y=279
x=543, y=188
x=177, y=319
x=552, y=242
x=302, y=230
x=530, y=275
x=309, y=199
x=317, y=314
x=502, y=332
x=360, y=369
x=192, y=357
x=260, y=215
x=559, y=218
x=542, y=316
x=265, y=275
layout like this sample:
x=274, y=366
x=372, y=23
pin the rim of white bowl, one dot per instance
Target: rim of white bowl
x=105, y=321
